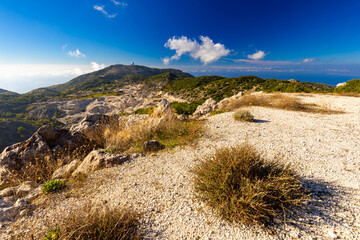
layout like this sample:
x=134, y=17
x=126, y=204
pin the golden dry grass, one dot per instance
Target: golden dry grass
x=347, y=94
x=89, y=221
x=40, y=169
x=243, y=187
x=169, y=131
x=278, y=101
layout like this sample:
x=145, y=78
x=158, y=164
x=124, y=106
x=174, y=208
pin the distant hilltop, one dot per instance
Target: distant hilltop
x=6, y=92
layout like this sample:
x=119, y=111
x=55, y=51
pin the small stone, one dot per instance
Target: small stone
x=152, y=146
x=332, y=234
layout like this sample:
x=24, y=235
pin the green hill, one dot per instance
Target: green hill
x=216, y=87
x=114, y=76
x=352, y=86
x=6, y=92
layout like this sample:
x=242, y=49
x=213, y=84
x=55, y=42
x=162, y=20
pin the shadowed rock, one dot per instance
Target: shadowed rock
x=207, y=107
x=45, y=143
x=152, y=146
x=99, y=159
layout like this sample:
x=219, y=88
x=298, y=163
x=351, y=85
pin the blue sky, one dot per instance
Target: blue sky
x=47, y=42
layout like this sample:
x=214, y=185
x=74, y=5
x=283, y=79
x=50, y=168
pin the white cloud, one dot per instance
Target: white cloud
x=206, y=51
x=76, y=53
x=257, y=56
x=123, y=4
x=166, y=60
x=102, y=10
x=97, y=67
x=309, y=60
x=64, y=46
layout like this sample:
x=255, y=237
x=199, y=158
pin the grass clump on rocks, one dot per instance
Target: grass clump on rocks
x=130, y=137
x=243, y=115
x=95, y=222
x=41, y=168
x=53, y=186
x=243, y=187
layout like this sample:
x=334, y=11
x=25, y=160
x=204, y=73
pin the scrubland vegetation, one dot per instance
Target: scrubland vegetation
x=244, y=187
x=89, y=222
x=169, y=131
x=278, y=101
x=243, y=115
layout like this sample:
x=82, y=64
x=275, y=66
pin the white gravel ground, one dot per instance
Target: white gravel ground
x=324, y=150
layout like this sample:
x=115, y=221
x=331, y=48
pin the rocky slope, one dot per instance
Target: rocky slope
x=322, y=148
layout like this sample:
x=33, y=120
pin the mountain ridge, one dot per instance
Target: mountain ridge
x=7, y=92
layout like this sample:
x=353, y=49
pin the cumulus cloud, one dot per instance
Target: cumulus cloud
x=309, y=60
x=123, y=4
x=207, y=51
x=96, y=67
x=257, y=55
x=76, y=53
x=103, y=11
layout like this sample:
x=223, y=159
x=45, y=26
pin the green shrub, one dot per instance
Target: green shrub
x=243, y=115
x=52, y=186
x=243, y=187
x=216, y=112
x=351, y=86
x=110, y=150
x=52, y=235
x=185, y=108
x=148, y=110
x=123, y=113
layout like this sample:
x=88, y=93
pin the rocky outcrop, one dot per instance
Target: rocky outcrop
x=99, y=159
x=47, y=142
x=164, y=109
x=93, y=126
x=207, y=107
x=237, y=96
x=66, y=170
x=16, y=201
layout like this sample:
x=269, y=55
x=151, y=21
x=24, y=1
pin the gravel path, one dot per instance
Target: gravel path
x=324, y=150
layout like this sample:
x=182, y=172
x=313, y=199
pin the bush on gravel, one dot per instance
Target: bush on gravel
x=95, y=222
x=243, y=187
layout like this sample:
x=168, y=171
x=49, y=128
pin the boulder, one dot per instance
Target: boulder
x=164, y=109
x=341, y=84
x=66, y=170
x=93, y=126
x=152, y=146
x=99, y=159
x=46, y=142
x=207, y=107
x=25, y=188
x=237, y=96
x=14, y=200
x=222, y=104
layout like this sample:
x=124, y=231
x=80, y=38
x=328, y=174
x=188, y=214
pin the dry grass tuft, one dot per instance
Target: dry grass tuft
x=169, y=131
x=243, y=115
x=243, y=187
x=40, y=169
x=95, y=222
x=347, y=94
x=279, y=101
